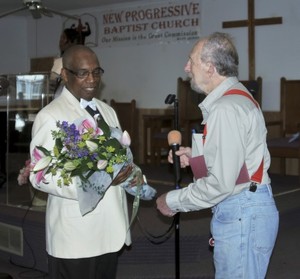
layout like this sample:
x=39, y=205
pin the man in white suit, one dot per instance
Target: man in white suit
x=80, y=246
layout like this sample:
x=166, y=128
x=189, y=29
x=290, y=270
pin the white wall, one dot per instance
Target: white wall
x=148, y=73
x=14, y=45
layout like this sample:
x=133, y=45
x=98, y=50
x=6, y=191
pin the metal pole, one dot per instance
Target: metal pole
x=176, y=115
x=177, y=216
x=171, y=98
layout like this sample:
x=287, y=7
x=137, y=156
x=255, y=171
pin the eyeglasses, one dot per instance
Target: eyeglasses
x=81, y=74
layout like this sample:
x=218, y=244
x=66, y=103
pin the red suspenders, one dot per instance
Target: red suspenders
x=257, y=176
x=243, y=93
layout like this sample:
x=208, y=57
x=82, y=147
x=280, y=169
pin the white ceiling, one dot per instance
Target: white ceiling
x=59, y=5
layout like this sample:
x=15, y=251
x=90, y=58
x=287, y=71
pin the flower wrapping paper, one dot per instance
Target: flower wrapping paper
x=92, y=191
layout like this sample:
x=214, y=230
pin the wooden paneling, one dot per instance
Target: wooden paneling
x=42, y=64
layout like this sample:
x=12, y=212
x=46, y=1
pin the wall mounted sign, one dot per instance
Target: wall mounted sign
x=176, y=21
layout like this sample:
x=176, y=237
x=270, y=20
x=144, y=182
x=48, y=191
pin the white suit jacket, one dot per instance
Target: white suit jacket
x=68, y=234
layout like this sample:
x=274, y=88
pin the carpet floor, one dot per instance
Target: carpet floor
x=165, y=248
x=155, y=249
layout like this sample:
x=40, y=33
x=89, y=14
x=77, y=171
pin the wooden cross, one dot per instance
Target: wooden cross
x=251, y=22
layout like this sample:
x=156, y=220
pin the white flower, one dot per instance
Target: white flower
x=42, y=163
x=125, y=139
x=92, y=146
x=101, y=164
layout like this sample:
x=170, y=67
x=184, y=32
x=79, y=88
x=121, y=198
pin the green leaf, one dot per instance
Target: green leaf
x=44, y=150
x=78, y=171
x=89, y=174
x=113, y=142
x=59, y=144
x=69, y=166
x=104, y=127
x=102, y=156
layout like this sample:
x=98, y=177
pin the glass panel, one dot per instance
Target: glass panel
x=19, y=104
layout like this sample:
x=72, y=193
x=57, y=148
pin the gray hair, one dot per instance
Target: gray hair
x=219, y=49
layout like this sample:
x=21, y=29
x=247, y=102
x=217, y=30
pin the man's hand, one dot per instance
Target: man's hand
x=163, y=207
x=184, y=153
x=138, y=179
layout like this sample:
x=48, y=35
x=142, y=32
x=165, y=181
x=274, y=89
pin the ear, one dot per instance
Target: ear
x=211, y=69
x=64, y=75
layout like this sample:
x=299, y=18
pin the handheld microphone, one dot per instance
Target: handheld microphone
x=174, y=140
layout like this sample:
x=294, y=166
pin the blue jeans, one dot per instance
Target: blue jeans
x=244, y=228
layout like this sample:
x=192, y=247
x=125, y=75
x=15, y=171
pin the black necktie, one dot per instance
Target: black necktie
x=92, y=112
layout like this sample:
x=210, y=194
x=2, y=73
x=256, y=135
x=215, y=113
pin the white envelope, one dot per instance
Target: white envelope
x=197, y=144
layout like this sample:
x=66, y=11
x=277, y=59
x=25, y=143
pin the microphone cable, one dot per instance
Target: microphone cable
x=157, y=239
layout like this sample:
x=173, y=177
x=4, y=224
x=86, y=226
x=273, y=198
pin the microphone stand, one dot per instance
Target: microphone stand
x=176, y=117
x=169, y=100
x=177, y=216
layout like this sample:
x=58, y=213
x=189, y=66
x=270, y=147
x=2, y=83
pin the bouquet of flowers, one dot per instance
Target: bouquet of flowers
x=95, y=153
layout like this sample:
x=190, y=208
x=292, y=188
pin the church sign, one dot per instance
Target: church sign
x=152, y=23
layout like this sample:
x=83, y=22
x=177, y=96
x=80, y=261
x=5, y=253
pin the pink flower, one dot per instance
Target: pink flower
x=87, y=125
x=40, y=163
x=37, y=154
x=40, y=176
x=23, y=177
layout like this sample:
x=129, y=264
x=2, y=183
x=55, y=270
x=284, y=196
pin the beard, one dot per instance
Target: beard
x=196, y=88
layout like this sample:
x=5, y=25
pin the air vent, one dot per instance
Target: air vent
x=11, y=239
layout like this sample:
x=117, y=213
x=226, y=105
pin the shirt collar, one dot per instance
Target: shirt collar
x=214, y=95
x=84, y=103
